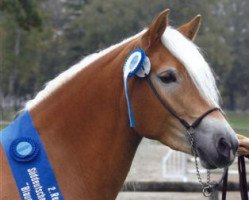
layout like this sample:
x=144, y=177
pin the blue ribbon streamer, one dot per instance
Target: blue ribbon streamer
x=133, y=64
x=130, y=112
x=28, y=161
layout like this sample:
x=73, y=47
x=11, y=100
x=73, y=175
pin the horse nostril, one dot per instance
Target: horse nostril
x=224, y=148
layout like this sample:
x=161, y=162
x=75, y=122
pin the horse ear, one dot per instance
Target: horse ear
x=156, y=29
x=191, y=28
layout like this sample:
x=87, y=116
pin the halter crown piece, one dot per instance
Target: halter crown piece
x=137, y=63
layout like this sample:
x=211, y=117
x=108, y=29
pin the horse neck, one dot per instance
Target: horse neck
x=85, y=130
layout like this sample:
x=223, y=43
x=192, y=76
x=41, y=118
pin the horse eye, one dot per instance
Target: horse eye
x=168, y=77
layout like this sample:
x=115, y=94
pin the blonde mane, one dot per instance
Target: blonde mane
x=198, y=69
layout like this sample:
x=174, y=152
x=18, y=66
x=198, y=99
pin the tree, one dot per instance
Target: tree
x=21, y=34
x=33, y=51
x=237, y=78
x=26, y=13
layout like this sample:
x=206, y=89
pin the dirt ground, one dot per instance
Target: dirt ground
x=170, y=196
x=147, y=166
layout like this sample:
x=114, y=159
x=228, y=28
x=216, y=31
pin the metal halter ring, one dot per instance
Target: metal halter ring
x=207, y=190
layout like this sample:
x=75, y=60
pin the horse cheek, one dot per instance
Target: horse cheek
x=150, y=117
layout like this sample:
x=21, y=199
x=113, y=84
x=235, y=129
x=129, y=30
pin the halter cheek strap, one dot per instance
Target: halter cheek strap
x=166, y=105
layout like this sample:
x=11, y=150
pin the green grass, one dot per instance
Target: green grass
x=6, y=115
x=1, y=127
x=239, y=121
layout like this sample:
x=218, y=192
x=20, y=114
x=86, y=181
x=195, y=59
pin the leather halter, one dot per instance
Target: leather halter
x=224, y=178
x=191, y=127
x=167, y=106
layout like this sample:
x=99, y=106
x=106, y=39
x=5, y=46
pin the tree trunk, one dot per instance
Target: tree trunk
x=246, y=101
x=14, y=75
x=232, y=101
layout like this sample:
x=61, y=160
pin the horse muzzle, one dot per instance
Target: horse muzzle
x=216, y=143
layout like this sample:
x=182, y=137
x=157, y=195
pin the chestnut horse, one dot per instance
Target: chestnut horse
x=83, y=122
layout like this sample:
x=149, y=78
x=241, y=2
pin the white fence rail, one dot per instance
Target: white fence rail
x=174, y=165
x=3, y=124
x=179, y=166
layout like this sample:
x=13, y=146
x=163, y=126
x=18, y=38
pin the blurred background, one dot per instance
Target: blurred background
x=41, y=38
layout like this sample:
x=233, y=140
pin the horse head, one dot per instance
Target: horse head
x=181, y=77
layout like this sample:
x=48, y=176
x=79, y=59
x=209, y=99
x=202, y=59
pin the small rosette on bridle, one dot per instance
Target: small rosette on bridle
x=137, y=63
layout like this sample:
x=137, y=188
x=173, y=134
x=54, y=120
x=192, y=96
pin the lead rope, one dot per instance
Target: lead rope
x=242, y=178
x=224, y=186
